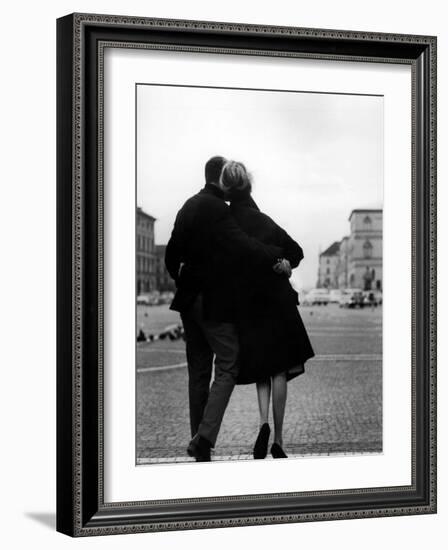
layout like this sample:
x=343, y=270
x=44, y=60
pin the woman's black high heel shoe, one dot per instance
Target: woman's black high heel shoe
x=277, y=451
x=261, y=444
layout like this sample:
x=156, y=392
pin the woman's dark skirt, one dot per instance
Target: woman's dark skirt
x=272, y=337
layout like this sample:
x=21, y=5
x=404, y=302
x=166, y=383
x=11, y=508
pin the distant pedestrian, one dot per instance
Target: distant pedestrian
x=141, y=336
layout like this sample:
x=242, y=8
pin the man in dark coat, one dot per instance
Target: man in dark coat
x=205, y=246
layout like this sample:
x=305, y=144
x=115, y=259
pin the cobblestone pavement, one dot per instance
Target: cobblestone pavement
x=335, y=407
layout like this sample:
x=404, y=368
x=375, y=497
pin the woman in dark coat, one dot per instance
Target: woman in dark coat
x=274, y=344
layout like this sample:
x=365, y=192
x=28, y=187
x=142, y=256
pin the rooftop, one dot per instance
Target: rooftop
x=141, y=212
x=365, y=211
x=331, y=250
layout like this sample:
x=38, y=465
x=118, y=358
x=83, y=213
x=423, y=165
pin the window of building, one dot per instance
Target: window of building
x=367, y=221
x=367, y=248
x=328, y=271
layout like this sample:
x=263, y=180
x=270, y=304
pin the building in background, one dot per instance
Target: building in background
x=365, y=267
x=357, y=260
x=145, y=252
x=164, y=282
x=328, y=264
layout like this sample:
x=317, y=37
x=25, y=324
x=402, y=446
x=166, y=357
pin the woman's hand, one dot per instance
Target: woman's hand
x=283, y=267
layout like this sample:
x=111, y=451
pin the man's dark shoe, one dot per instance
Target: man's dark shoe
x=199, y=448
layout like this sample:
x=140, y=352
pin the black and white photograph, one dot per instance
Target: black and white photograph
x=259, y=274
x=246, y=290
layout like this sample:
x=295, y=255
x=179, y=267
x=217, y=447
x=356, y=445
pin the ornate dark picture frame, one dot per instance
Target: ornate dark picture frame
x=81, y=39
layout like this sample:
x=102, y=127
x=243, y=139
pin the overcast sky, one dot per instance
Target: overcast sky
x=314, y=157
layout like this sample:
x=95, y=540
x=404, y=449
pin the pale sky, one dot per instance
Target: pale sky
x=314, y=157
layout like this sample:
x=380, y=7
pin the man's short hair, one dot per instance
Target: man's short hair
x=213, y=169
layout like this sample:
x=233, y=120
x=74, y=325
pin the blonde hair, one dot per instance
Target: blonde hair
x=235, y=177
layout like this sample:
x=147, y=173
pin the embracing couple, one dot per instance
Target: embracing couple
x=231, y=264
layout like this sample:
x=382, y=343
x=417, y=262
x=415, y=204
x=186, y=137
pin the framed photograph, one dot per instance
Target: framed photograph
x=246, y=274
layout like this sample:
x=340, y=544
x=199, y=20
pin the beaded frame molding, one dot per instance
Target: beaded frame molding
x=81, y=40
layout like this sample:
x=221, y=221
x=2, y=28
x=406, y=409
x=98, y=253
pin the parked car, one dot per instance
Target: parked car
x=352, y=298
x=143, y=300
x=166, y=297
x=335, y=295
x=149, y=299
x=317, y=296
x=377, y=296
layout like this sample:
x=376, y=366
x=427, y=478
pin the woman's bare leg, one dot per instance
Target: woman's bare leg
x=279, y=394
x=264, y=395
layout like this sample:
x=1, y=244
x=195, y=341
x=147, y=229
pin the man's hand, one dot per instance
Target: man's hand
x=283, y=267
